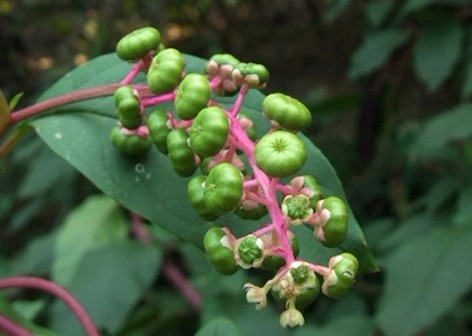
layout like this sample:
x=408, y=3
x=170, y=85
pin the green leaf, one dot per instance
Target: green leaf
x=437, y=273
x=414, y=5
x=375, y=51
x=463, y=215
x=378, y=10
x=220, y=326
x=148, y=185
x=436, y=52
x=108, y=283
x=95, y=223
x=8, y=310
x=345, y=325
x=441, y=131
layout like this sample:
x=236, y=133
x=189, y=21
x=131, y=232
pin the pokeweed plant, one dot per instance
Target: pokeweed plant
x=193, y=146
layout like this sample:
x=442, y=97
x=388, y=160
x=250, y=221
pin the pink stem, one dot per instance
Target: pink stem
x=67, y=98
x=56, y=290
x=286, y=189
x=12, y=328
x=239, y=100
x=135, y=70
x=158, y=99
x=175, y=276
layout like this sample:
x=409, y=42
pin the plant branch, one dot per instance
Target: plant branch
x=56, y=290
x=12, y=328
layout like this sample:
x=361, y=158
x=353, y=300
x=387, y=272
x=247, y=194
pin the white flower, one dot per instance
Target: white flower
x=256, y=295
x=292, y=318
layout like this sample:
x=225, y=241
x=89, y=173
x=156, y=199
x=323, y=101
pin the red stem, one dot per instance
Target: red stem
x=176, y=277
x=67, y=98
x=12, y=328
x=56, y=290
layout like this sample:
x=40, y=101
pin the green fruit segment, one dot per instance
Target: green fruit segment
x=138, y=43
x=223, y=188
x=333, y=213
x=159, y=130
x=288, y=112
x=195, y=190
x=220, y=255
x=209, y=132
x=192, y=96
x=180, y=154
x=342, y=275
x=131, y=144
x=166, y=70
x=128, y=107
x=280, y=154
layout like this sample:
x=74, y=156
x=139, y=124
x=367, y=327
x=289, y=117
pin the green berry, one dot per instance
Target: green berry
x=192, y=96
x=280, y=154
x=342, y=275
x=195, y=190
x=131, y=144
x=138, y=43
x=180, y=154
x=297, y=208
x=128, y=107
x=250, y=251
x=288, y=112
x=166, y=70
x=253, y=74
x=218, y=251
x=332, y=230
x=157, y=123
x=223, y=188
x=209, y=132
x=300, y=283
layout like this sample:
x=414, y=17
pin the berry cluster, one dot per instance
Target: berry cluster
x=238, y=172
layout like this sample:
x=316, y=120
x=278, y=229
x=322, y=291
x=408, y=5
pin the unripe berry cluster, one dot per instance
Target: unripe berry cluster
x=234, y=171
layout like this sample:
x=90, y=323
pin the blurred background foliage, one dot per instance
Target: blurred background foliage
x=389, y=84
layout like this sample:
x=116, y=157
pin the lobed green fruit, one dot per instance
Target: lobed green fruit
x=192, y=96
x=138, y=43
x=342, y=275
x=180, y=154
x=249, y=250
x=335, y=228
x=297, y=208
x=288, y=112
x=253, y=74
x=305, y=290
x=166, y=70
x=209, y=131
x=157, y=123
x=131, y=144
x=195, y=190
x=220, y=255
x=223, y=188
x=280, y=154
x=128, y=107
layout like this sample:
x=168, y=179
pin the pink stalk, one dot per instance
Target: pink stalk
x=12, y=328
x=135, y=70
x=175, y=276
x=56, y=290
x=267, y=185
x=67, y=98
x=158, y=99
